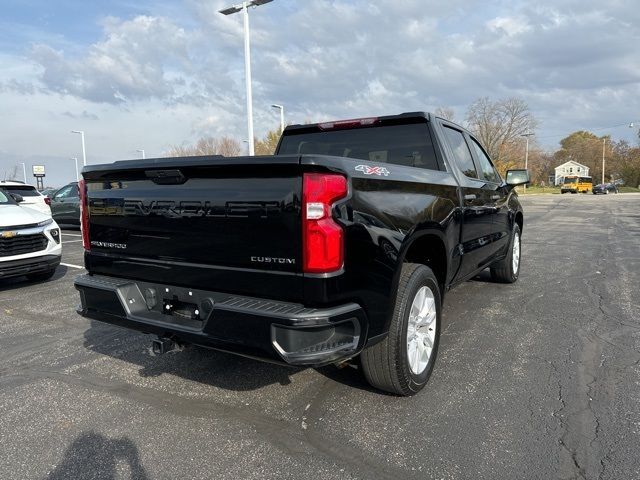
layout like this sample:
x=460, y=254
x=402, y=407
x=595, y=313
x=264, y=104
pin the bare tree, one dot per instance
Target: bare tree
x=445, y=112
x=499, y=124
x=227, y=146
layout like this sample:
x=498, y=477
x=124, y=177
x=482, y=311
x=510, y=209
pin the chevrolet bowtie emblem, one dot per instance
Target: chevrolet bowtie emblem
x=8, y=234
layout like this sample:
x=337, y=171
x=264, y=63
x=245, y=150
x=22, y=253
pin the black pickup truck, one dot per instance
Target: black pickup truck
x=339, y=247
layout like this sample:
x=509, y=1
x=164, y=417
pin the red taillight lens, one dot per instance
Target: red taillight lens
x=322, y=237
x=352, y=123
x=47, y=200
x=84, y=214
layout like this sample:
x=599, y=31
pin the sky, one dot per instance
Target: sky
x=152, y=74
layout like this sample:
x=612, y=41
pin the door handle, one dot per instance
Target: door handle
x=470, y=196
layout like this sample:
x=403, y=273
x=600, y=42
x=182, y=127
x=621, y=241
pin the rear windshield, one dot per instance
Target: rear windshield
x=22, y=190
x=409, y=144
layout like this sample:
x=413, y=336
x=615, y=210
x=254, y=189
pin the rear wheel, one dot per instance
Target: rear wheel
x=402, y=363
x=40, y=277
x=508, y=269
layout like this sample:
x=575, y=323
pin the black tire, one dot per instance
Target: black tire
x=41, y=277
x=503, y=270
x=386, y=364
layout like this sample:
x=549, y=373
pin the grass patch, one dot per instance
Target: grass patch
x=537, y=189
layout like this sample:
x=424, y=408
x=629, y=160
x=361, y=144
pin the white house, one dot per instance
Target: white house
x=570, y=168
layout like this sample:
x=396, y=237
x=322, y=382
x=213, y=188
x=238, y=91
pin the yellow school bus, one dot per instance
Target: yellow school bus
x=576, y=184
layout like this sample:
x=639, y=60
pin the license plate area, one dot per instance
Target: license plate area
x=177, y=308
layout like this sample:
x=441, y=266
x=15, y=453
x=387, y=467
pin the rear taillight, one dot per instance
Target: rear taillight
x=84, y=214
x=322, y=237
x=47, y=200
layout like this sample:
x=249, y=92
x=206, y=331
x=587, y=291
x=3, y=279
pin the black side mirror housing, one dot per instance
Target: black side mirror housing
x=517, y=177
x=17, y=197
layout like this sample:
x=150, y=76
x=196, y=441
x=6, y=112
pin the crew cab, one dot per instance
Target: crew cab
x=338, y=248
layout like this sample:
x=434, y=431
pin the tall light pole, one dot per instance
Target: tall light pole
x=75, y=159
x=141, y=150
x=84, y=154
x=281, y=108
x=526, y=154
x=244, y=8
x=604, y=142
x=24, y=171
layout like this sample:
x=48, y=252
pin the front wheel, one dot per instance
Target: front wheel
x=402, y=363
x=508, y=269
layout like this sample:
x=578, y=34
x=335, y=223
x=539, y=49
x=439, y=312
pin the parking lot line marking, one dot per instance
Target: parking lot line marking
x=72, y=265
x=71, y=241
x=72, y=234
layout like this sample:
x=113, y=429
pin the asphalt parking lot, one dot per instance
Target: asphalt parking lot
x=540, y=379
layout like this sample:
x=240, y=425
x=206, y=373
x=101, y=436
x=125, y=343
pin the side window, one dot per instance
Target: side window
x=64, y=192
x=461, y=152
x=486, y=168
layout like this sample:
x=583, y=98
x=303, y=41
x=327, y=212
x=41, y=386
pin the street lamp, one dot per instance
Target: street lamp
x=75, y=159
x=526, y=154
x=281, y=108
x=84, y=155
x=141, y=150
x=244, y=8
x=24, y=171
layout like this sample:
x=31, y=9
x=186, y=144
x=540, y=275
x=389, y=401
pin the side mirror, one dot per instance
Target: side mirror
x=517, y=177
x=17, y=197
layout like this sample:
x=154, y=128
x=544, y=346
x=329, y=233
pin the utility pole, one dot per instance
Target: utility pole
x=526, y=155
x=604, y=142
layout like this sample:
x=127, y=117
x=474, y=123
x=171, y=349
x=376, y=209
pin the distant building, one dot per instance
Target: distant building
x=570, y=168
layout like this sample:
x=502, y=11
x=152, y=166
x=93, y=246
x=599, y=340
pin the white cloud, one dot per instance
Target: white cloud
x=130, y=64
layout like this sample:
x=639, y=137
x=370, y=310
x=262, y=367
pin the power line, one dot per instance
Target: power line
x=586, y=130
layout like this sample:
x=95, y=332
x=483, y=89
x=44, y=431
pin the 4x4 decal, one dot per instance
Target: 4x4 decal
x=367, y=170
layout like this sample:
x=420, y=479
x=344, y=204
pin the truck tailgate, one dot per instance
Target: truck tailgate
x=199, y=221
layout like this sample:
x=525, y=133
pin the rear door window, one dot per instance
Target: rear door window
x=461, y=152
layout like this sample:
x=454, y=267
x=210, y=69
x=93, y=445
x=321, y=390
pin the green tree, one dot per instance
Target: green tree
x=585, y=148
x=267, y=146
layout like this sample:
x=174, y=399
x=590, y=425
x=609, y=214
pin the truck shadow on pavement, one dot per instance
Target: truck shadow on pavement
x=198, y=364
x=202, y=365
x=92, y=455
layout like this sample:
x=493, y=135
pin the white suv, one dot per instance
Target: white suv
x=30, y=240
x=31, y=197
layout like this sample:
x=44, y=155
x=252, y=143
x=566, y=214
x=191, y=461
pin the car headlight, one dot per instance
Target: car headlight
x=46, y=222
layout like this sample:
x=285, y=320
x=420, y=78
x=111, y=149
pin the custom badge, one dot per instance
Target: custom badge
x=367, y=170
